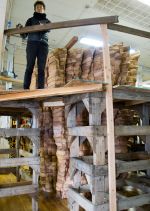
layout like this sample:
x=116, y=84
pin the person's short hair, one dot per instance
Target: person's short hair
x=39, y=2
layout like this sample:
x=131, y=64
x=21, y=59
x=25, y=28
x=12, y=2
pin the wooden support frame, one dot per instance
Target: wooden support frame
x=50, y=92
x=123, y=203
x=124, y=130
x=65, y=24
x=110, y=120
x=19, y=132
x=11, y=162
x=36, y=173
x=129, y=30
x=22, y=190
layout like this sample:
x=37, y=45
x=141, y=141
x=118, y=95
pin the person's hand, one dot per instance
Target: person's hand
x=19, y=26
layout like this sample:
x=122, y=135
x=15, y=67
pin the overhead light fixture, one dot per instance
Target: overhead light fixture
x=132, y=51
x=147, y=2
x=91, y=42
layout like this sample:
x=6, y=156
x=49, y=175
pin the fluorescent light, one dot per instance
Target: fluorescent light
x=132, y=50
x=91, y=42
x=147, y=2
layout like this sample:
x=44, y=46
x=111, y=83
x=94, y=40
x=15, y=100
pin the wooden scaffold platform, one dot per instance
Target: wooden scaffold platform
x=102, y=168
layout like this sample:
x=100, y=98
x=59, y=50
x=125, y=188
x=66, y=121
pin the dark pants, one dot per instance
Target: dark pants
x=35, y=50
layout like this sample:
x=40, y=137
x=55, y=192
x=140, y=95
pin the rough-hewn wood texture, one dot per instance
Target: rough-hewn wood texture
x=65, y=24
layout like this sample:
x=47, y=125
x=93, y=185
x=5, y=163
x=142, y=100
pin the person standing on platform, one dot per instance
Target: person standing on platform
x=37, y=46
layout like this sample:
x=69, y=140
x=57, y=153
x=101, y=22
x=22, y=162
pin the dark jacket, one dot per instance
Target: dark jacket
x=42, y=36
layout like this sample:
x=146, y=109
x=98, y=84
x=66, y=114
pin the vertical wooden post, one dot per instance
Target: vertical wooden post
x=71, y=122
x=17, y=149
x=95, y=120
x=35, y=154
x=110, y=121
x=97, y=183
x=145, y=121
x=3, y=5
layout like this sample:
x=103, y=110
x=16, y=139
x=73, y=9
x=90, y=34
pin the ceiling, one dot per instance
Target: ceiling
x=131, y=13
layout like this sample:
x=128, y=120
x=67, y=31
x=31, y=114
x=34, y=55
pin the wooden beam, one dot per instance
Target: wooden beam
x=123, y=203
x=133, y=156
x=132, y=130
x=64, y=24
x=11, y=162
x=14, y=184
x=71, y=43
x=7, y=151
x=24, y=105
x=131, y=93
x=85, y=203
x=110, y=120
x=129, y=30
x=13, y=80
x=19, y=132
x=124, y=130
x=135, y=183
x=54, y=103
x=133, y=166
x=50, y=92
x=27, y=189
x=87, y=131
x=134, y=201
x=89, y=169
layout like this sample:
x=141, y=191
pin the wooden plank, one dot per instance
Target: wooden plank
x=15, y=104
x=7, y=132
x=13, y=80
x=135, y=183
x=85, y=203
x=110, y=121
x=11, y=162
x=51, y=92
x=7, y=151
x=125, y=130
x=129, y=30
x=72, y=42
x=64, y=24
x=134, y=201
x=133, y=156
x=54, y=104
x=27, y=189
x=132, y=166
x=89, y=169
x=123, y=203
x=15, y=184
x=132, y=130
x=81, y=131
x=121, y=167
x=82, y=166
x=131, y=93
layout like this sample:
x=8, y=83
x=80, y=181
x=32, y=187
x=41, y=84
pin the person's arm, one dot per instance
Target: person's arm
x=28, y=23
x=48, y=21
